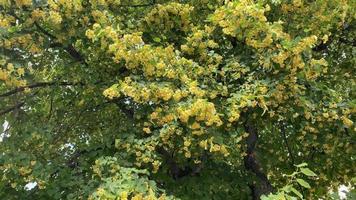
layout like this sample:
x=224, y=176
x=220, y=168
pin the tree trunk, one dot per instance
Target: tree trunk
x=262, y=185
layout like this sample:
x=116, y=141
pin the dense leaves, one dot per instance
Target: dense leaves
x=141, y=99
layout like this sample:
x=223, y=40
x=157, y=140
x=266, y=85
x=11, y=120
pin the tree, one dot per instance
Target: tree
x=191, y=99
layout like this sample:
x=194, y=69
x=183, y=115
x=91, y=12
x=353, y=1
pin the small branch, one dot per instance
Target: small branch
x=50, y=109
x=140, y=5
x=325, y=46
x=17, y=106
x=284, y=136
x=42, y=30
x=37, y=85
x=70, y=49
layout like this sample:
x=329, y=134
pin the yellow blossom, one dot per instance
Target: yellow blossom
x=347, y=122
x=155, y=165
x=147, y=130
x=195, y=125
x=177, y=95
x=10, y=67
x=123, y=195
x=20, y=71
x=203, y=144
x=55, y=17
x=111, y=92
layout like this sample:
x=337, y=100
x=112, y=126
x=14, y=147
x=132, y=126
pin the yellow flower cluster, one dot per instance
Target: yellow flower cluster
x=104, y=3
x=21, y=3
x=234, y=116
x=3, y=75
x=321, y=13
x=199, y=41
x=200, y=44
x=152, y=92
x=100, y=16
x=7, y=75
x=5, y=21
x=204, y=144
x=347, y=122
x=22, y=41
x=55, y=18
x=156, y=164
x=246, y=21
x=112, y=92
x=167, y=132
x=101, y=193
x=280, y=58
x=202, y=110
x=305, y=43
x=25, y=171
x=70, y=6
x=165, y=93
x=90, y=34
x=164, y=17
x=237, y=16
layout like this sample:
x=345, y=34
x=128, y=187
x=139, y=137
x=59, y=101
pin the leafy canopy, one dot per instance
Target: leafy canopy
x=190, y=99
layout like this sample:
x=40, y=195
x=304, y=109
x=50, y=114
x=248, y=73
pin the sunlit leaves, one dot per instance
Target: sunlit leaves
x=124, y=99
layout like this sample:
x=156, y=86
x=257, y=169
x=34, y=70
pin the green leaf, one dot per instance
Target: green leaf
x=297, y=192
x=307, y=172
x=287, y=188
x=157, y=39
x=264, y=197
x=292, y=175
x=291, y=197
x=302, y=165
x=303, y=183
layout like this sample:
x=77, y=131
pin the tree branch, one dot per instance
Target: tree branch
x=175, y=170
x=69, y=48
x=325, y=46
x=37, y=85
x=252, y=164
x=140, y=5
x=284, y=136
x=12, y=108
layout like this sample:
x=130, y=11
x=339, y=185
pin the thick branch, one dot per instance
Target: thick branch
x=70, y=49
x=251, y=163
x=175, y=171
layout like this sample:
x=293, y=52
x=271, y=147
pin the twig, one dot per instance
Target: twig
x=284, y=136
x=12, y=108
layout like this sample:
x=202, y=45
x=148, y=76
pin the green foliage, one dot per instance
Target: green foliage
x=189, y=99
x=289, y=191
x=117, y=181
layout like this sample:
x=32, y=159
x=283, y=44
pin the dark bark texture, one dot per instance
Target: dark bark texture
x=262, y=185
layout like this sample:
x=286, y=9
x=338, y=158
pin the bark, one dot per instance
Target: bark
x=262, y=185
x=176, y=171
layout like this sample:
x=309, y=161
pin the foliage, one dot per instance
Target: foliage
x=189, y=99
x=289, y=191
